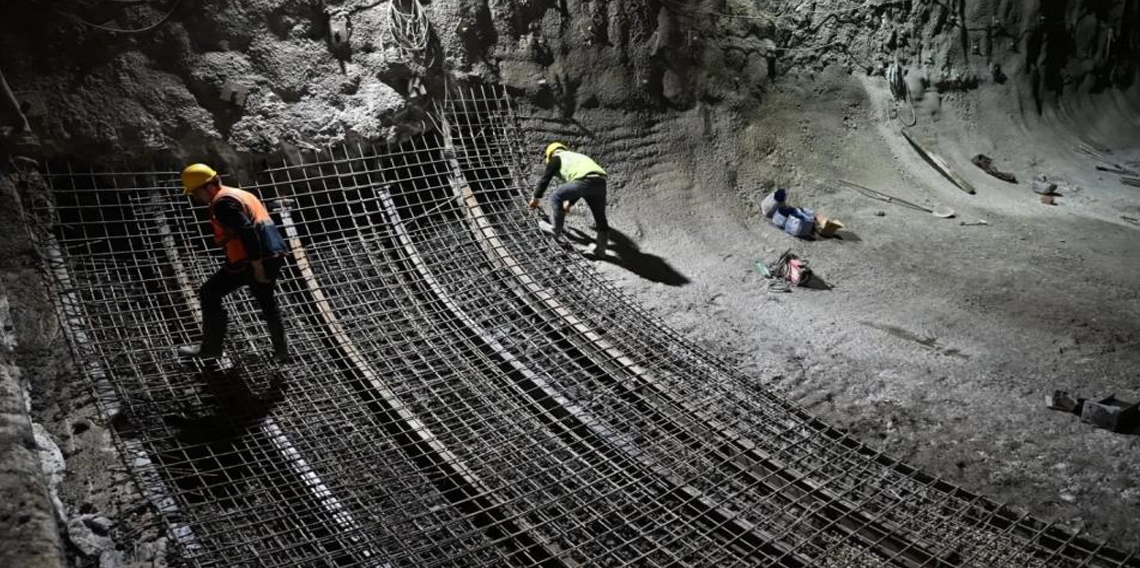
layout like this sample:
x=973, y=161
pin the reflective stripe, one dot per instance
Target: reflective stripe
x=272, y=244
x=575, y=165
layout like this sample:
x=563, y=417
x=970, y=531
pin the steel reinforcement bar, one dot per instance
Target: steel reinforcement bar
x=464, y=392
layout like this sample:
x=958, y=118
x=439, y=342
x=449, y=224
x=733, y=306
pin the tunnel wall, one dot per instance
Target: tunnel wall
x=223, y=79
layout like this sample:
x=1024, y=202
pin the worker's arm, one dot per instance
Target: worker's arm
x=552, y=169
x=231, y=215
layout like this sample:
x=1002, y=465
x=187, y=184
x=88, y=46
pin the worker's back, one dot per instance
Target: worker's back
x=576, y=166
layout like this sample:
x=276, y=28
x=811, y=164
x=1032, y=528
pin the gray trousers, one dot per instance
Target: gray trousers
x=593, y=191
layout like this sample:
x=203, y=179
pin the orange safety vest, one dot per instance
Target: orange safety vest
x=229, y=240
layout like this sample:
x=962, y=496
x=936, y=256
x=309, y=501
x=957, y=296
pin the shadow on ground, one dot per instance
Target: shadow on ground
x=845, y=236
x=217, y=444
x=817, y=283
x=625, y=253
x=233, y=407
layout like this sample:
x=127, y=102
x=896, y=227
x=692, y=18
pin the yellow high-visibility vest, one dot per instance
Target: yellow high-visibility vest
x=575, y=165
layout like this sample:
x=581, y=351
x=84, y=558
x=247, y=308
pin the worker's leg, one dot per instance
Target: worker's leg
x=595, y=196
x=266, y=298
x=214, y=317
x=569, y=191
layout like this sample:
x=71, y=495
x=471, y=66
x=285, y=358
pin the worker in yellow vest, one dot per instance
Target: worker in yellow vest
x=255, y=254
x=582, y=179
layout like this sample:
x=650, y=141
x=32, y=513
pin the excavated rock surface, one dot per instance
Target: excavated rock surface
x=90, y=92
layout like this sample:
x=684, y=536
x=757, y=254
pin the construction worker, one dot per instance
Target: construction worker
x=255, y=254
x=582, y=179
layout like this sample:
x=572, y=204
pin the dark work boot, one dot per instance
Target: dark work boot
x=601, y=244
x=280, y=347
x=281, y=355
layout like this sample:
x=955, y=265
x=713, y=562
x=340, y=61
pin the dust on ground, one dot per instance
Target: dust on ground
x=935, y=340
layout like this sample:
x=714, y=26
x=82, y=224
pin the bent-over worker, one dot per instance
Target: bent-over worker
x=255, y=254
x=582, y=179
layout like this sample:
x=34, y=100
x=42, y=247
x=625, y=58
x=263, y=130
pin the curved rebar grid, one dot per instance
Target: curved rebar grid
x=467, y=393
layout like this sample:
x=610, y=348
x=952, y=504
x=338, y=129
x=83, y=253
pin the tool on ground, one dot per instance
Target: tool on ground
x=941, y=211
x=1116, y=171
x=940, y=164
x=1100, y=157
x=987, y=165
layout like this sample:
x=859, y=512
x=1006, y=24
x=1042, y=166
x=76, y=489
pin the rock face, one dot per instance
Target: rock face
x=239, y=77
x=28, y=531
x=249, y=77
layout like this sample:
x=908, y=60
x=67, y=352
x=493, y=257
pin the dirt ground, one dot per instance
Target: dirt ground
x=936, y=340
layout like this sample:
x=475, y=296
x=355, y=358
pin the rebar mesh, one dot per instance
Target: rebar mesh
x=464, y=392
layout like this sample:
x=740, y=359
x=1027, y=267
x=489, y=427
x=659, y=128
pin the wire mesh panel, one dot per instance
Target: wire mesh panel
x=463, y=391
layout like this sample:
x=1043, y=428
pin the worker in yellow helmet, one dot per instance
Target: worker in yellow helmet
x=582, y=179
x=255, y=255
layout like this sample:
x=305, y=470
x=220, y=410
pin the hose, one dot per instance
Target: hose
x=913, y=112
x=410, y=30
x=900, y=92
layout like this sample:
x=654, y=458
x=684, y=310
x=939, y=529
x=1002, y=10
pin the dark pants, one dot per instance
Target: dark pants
x=224, y=281
x=590, y=189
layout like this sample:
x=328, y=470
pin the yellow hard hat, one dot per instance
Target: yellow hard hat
x=552, y=147
x=196, y=175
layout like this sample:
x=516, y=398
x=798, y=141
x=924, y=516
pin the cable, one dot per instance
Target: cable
x=411, y=30
x=77, y=19
x=913, y=112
